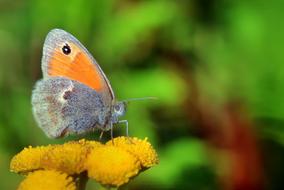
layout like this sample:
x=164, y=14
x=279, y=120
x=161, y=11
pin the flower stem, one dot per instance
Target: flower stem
x=81, y=181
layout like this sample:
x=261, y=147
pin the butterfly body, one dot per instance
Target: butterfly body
x=74, y=96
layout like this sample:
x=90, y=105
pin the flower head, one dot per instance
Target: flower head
x=29, y=159
x=68, y=158
x=47, y=179
x=112, y=164
x=141, y=149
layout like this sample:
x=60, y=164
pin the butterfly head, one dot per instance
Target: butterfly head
x=118, y=109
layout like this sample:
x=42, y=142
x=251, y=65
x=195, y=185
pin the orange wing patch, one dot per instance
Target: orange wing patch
x=76, y=66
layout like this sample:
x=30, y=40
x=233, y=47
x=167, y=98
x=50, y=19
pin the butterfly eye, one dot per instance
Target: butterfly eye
x=117, y=108
x=66, y=49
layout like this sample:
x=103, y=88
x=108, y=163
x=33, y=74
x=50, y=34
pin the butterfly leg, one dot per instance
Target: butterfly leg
x=101, y=135
x=111, y=132
x=126, y=125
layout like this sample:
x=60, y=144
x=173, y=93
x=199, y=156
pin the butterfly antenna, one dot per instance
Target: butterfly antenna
x=139, y=99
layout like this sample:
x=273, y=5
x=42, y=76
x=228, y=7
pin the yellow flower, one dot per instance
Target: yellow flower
x=28, y=159
x=68, y=158
x=47, y=179
x=141, y=149
x=111, y=165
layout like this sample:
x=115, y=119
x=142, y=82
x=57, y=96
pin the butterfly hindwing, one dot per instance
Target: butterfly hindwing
x=62, y=106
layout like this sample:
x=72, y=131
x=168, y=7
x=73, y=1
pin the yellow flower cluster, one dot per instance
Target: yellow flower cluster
x=47, y=179
x=57, y=166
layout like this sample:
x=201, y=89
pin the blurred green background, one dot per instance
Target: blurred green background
x=217, y=68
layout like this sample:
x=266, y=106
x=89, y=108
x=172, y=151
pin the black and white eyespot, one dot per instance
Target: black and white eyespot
x=66, y=49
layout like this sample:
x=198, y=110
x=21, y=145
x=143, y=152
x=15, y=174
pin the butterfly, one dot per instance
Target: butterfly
x=74, y=96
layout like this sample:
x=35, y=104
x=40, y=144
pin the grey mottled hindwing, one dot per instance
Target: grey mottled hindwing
x=62, y=106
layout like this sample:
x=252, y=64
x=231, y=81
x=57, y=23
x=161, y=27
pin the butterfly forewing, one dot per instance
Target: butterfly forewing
x=65, y=56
